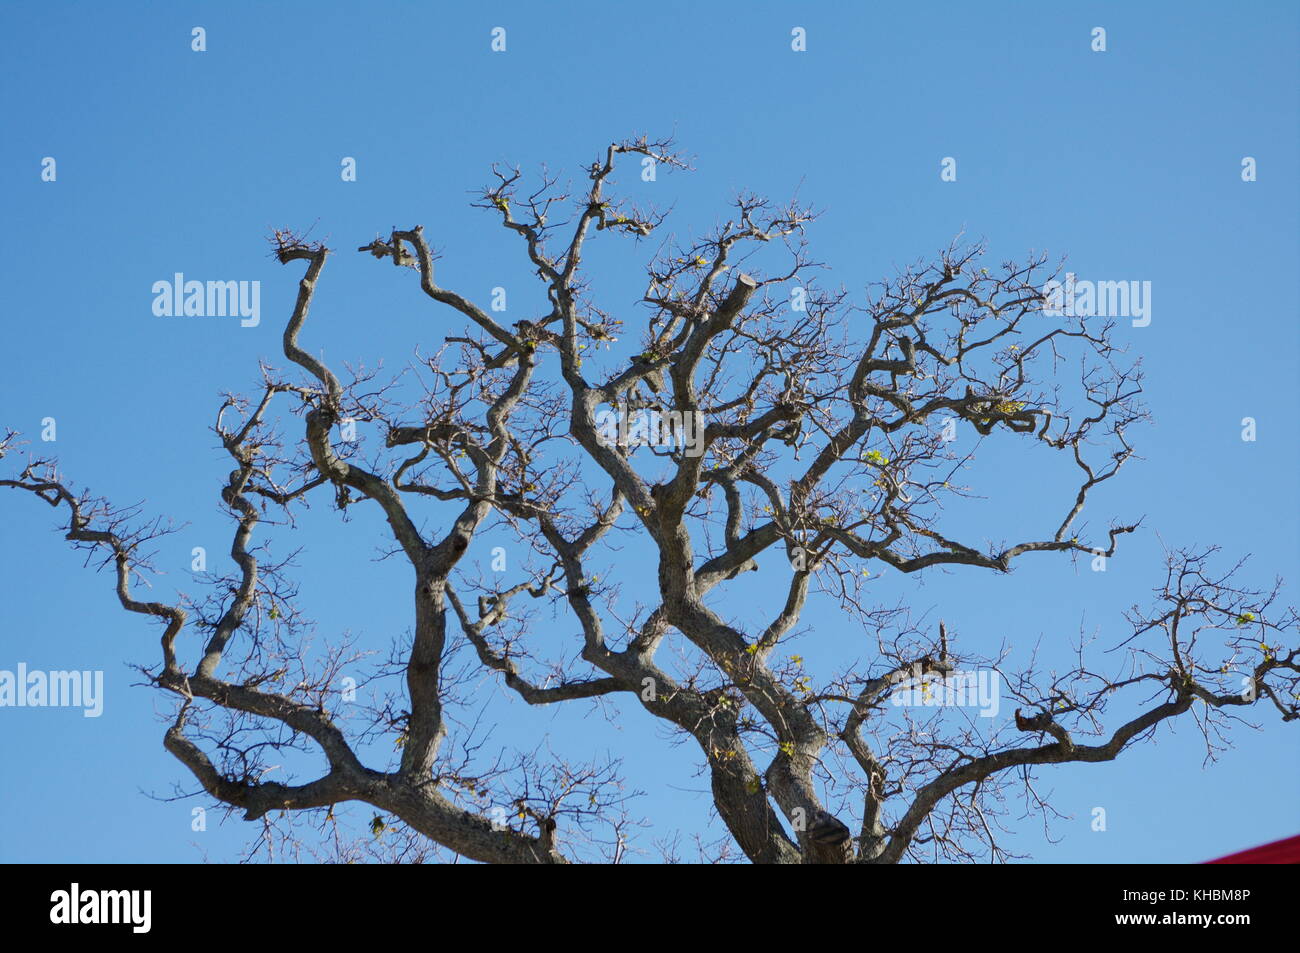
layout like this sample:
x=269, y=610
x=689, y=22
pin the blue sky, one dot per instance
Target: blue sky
x=1127, y=161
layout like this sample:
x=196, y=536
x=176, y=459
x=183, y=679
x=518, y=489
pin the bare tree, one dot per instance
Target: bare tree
x=817, y=434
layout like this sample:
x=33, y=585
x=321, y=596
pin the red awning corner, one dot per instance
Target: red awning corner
x=1286, y=851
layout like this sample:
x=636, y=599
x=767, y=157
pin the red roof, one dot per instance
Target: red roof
x=1285, y=851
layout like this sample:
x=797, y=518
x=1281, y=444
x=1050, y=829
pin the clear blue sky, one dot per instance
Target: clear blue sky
x=169, y=160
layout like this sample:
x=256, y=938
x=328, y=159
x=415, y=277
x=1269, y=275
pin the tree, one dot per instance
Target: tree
x=751, y=423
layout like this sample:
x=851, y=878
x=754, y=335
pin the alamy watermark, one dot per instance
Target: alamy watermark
x=36, y=689
x=980, y=688
x=619, y=426
x=133, y=908
x=1103, y=299
x=209, y=299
